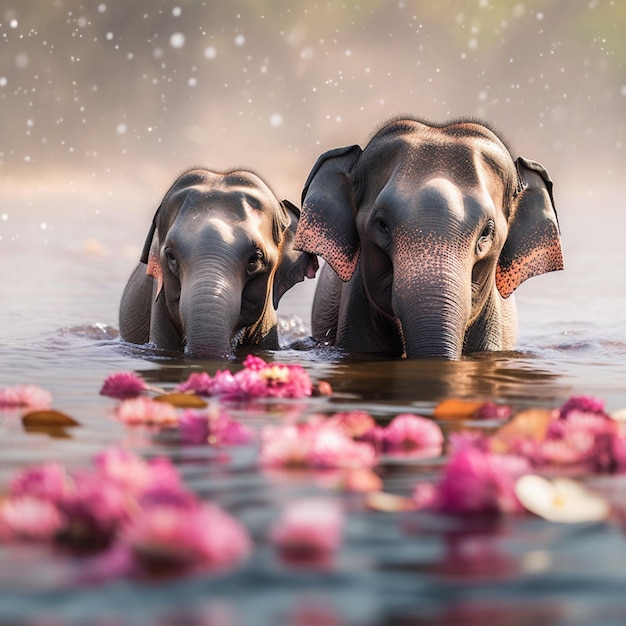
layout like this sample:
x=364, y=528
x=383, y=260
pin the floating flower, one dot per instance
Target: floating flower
x=29, y=518
x=123, y=385
x=492, y=411
x=313, y=444
x=134, y=474
x=309, y=530
x=414, y=435
x=257, y=379
x=214, y=427
x=174, y=536
x=582, y=404
x=477, y=481
x=146, y=411
x=561, y=499
x=49, y=481
x=199, y=383
x=355, y=424
x=25, y=396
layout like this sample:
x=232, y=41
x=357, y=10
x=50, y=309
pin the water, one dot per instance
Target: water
x=64, y=262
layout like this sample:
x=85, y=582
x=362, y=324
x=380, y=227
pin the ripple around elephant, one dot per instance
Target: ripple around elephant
x=426, y=232
x=217, y=259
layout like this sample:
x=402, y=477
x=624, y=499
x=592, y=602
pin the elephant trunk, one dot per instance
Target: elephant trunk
x=210, y=308
x=432, y=300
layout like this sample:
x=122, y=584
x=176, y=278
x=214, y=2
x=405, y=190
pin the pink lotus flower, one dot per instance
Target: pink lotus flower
x=49, y=481
x=308, y=530
x=285, y=446
x=123, y=385
x=313, y=444
x=414, y=435
x=135, y=475
x=355, y=424
x=30, y=518
x=25, y=396
x=199, y=383
x=146, y=411
x=331, y=448
x=492, y=411
x=476, y=481
x=214, y=427
x=582, y=404
x=179, y=537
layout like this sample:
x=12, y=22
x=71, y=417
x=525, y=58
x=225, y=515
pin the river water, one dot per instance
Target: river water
x=64, y=260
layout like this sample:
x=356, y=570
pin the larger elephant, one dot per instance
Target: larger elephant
x=426, y=232
x=217, y=259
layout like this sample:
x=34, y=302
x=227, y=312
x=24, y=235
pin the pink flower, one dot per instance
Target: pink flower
x=123, y=385
x=491, y=411
x=49, y=481
x=476, y=481
x=199, y=383
x=331, y=448
x=355, y=424
x=308, y=530
x=175, y=536
x=146, y=411
x=319, y=445
x=31, y=518
x=582, y=404
x=413, y=434
x=214, y=427
x=285, y=446
x=26, y=396
x=134, y=475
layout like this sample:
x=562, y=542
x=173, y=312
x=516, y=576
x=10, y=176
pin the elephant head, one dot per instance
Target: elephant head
x=431, y=229
x=217, y=259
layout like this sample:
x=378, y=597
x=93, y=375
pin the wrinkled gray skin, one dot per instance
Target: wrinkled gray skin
x=426, y=233
x=216, y=261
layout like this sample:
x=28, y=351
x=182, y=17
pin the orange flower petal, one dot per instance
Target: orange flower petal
x=532, y=423
x=48, y=418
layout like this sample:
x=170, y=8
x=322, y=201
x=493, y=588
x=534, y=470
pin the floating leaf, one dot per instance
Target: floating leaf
x=456, y=409
x=561, y=500
x=388, y=502
x=527, y=424
x=48, y=418
x=182, y=400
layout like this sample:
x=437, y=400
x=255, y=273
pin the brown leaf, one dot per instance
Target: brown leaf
x=48, y=418
x=182, y=400
x=456, y=409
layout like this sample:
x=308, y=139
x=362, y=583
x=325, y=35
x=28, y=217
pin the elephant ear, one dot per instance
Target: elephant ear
x=533, y=246
x=150, y=254
x=294, y=265
x=328, y=225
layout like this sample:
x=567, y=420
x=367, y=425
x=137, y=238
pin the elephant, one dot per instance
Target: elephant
x=217, y=259
x=426, y=233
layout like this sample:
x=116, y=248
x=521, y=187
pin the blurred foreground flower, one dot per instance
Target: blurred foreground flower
x=25, y=396
x=561, y=500
x=309, y=530
x=412, y=435
x=120, y=501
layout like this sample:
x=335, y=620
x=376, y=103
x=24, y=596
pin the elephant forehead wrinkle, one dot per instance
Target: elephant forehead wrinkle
x=441, y=193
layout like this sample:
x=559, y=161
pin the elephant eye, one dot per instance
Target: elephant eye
x=171, y=260
x=256, y=261
x=485, y=236
x=382, y=225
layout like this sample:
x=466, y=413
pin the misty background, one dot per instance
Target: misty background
x=104, y=103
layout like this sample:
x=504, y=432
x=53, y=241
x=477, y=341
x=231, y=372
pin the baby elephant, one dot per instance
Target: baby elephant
x=218, y=257
x=426, y=232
